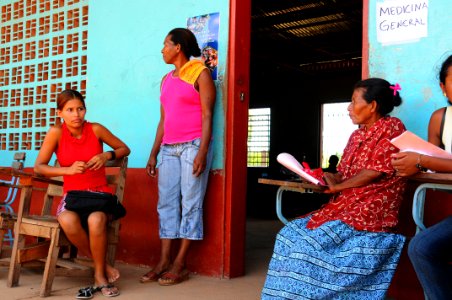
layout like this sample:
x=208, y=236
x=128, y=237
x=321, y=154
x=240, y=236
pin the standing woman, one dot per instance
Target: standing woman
x=78, y=145
x=184, y=140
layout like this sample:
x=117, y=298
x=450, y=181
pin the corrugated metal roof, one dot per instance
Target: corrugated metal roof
x=311, y=31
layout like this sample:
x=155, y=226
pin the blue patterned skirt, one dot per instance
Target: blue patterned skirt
x=333, y=261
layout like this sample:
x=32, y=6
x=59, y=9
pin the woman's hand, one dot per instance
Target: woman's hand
x=331, y=190
x=404, y=163
x=332, y=180
x=199, y=163
x=97, y=161
x=337, y=184
x=150, y=167
x=78, y=167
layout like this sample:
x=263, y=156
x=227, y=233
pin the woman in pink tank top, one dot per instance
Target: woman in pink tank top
x=78, y=147
x=183, y=140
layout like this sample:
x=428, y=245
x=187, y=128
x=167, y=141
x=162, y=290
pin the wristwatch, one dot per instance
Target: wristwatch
x=419, y=166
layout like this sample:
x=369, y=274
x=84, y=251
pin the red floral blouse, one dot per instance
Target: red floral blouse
x=373, y=207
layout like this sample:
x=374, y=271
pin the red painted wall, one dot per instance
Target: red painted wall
x=139, y=242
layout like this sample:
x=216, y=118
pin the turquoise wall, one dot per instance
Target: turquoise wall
x=125, y=67
x=414, y=65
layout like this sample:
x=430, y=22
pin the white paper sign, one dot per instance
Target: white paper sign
x=401, y=21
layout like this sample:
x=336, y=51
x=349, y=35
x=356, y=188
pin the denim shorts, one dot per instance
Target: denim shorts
x=181, y=194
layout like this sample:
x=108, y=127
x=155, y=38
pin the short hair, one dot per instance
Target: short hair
x=333, y=160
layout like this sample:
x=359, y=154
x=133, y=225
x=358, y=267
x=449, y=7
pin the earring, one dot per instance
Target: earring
x=445, y=94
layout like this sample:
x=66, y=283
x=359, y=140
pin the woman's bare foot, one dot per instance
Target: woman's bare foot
x=112, y=273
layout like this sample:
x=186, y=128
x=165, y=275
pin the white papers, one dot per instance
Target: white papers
x=408, y=141
x=292, y=164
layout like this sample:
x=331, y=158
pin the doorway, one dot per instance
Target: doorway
x=303, y=54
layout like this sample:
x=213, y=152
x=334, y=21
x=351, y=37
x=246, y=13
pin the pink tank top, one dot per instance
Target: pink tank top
x=71, y=149
x=183, y=115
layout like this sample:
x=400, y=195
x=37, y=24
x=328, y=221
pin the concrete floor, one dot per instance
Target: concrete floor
x=260, y=240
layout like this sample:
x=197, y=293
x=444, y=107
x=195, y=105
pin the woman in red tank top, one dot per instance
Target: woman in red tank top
x=78, y=146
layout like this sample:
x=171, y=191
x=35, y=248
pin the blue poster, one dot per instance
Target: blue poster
x=206, y=28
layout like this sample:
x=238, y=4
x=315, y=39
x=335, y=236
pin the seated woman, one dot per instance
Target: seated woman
x=78, y=147
x=431, y=250
x=345, y=250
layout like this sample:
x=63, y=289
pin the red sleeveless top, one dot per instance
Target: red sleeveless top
x=71, y=149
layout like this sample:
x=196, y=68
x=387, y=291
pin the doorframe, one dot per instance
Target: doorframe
x=365, y=47
x=238, y=75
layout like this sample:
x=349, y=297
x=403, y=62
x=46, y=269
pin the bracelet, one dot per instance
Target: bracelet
x=113, y=155
x=418, y=164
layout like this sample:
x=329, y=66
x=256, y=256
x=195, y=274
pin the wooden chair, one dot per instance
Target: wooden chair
x=50, y=238
x=7, y=215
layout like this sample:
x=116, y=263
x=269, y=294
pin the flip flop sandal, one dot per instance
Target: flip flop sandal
x=169, y=278
x=107, y=290
x=151, y=276
x=86, y=293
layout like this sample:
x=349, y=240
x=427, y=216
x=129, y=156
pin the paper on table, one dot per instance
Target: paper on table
x=408, y=141
x=292, y=164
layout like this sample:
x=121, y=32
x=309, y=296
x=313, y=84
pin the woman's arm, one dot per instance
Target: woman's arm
x=436, y=163
x=152, y=161
x=434, y=127
x=207, y=94
x=119, y=147
x=333, y=177
x=364, y=177
x=405, y=163
x=48, y=147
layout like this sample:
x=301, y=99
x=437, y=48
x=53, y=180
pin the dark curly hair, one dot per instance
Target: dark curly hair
x=444, y=68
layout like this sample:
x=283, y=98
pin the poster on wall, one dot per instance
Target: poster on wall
x=401, y=21
x=205, y=28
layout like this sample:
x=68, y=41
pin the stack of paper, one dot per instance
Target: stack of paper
x=408, y=141
x=292, y=164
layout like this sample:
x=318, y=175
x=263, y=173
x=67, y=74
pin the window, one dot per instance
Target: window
x=258, y=137
x=336, y=129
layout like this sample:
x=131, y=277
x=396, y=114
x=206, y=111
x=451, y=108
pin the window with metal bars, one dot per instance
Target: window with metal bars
x=259, y=137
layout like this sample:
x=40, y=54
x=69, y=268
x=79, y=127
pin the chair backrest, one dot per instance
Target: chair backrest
x=118, y=179
x=116, y=175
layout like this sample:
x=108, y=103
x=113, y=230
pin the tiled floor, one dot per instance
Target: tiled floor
x=260, y=239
